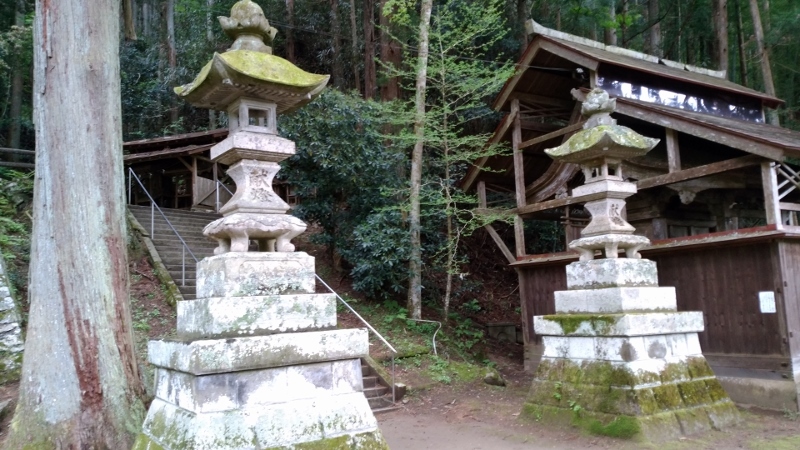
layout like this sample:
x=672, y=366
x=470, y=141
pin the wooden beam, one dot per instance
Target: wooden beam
x=543, y=100
x=500, y=244
x=789, y=206
x=769, y=182
x=183, y=161
x=17, y=164
x=699, y=171
x=554, y=134
x=540, y=127
x=522, y=67
x=673, y=151
x=17, y=150
x=475, y=169
x=557, y=203
x=519, y=178
x=481, y=194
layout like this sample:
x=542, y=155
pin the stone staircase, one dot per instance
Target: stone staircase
x=189, y=225
x=378, y=393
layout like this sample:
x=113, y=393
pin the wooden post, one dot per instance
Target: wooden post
x=788, y=297
x=673, y=151
x=519, y=178
x=490, y=229
x=482, y=194
x=195, y=200
x=769, y=182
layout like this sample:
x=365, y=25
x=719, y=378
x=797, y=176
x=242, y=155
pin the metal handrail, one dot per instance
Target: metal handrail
x=153, y=207
x=216, y=189
x=374, y=331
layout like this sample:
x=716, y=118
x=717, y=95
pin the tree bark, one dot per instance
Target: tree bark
x=390, y=56
x=290, y=52
x=415, y=263
x=370, y=77
x=763, y=53
x=212, y=115
x=80, y=386
x=653, y=42
x=742, y=51
x=127, y=13
x=354, y=45
x=610, y=34
x=15, y=109
x=522, y=16
x=172, y=55
x=336, y=42
x=720, y=43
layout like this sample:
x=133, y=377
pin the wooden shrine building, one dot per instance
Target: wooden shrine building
x=718, y=197
x=178, y=172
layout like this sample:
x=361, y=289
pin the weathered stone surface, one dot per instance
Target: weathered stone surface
x=625, y=324
x=281, y=425
x=251, y=316
x=11, y=343
x=272, y=231
x=249, y=145
x=255, y=274
x=257, y=388
x=616, y=300
x=254, y=192
x=257, y=352
x=619, y=272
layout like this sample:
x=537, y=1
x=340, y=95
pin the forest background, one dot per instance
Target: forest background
x=354, y=143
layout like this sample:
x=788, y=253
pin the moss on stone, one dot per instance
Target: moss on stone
x=699, y=368
x=621, y=427
x=143, y=442
x=673, y=372
x=570, y=323
x=694, y=392
x=715, y=390
x=667, y=396
x=693, y=420
x=646, y=401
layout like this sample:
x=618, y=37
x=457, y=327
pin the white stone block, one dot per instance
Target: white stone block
x=616, y=300
x=243, y=316
x=620, y=349
x=257, y=352
x=627, y=324
x=677, y=344
x=581, y=348
x=555, y=347
x=252, y=274
x=617, y=272
x=693, y=344
x=274, y=426
x=237, y=390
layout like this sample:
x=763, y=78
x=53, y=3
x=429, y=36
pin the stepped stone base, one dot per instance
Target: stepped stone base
x=683, y=398
x=258, y=364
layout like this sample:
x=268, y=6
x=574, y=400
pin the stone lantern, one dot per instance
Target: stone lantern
x=257, y=362
x=618, y=356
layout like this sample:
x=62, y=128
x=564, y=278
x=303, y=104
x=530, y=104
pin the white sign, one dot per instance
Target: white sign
x=766, y=300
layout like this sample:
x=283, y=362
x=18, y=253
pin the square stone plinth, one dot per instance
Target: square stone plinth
x=251, y=316
x=221, y=392
x=257, y=352
x=615, y=272
x=252, y=274
x=252, y=145
x=627, y=324
x=616, y=300
x=650, y=353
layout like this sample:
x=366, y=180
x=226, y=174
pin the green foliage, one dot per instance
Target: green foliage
x=16, y=193
x=621, y=427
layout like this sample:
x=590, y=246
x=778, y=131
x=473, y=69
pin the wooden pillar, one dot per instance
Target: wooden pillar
x=519, y=178
x=788, y=297
x=673, y=151
x=769, y=181
x=195, y=200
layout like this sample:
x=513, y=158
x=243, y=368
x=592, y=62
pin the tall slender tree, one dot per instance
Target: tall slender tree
x=763, y=53
x=80, y=386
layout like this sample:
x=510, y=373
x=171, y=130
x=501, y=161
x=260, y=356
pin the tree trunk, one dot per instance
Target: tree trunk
x=610, y=35
x=15, y=109
x=370, y=78
x=172, y=55
x=653, y=41
x=80, y=386
x=522, y=16
x=336, y=42
x=212, y=115
x=720, y=43
x=742, y=50
x=354, y=46
x=127, y=12
x=290, y=32
x=763, y=53
x=415, y=263
x=390, y=56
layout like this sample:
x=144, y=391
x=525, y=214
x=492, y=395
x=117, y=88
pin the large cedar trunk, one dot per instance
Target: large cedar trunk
x=370, y=78
x=15, y=110
x=390, y=56
x=80, y=387
x=336, y=41
x=720, y=42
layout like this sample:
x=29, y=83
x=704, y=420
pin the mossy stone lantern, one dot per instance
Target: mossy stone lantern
x=253, y=86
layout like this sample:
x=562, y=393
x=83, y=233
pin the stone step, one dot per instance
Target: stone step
x=370, y=381
x=380, y=405
x=377, y=391
x=169, y=212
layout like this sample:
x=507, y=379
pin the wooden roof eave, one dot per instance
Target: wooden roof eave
x=165, y=154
